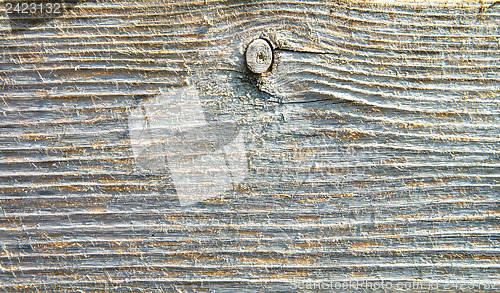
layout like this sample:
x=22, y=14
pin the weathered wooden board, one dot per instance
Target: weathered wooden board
x=372, y=146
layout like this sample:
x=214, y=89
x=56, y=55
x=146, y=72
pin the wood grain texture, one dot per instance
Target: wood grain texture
x=372, y=145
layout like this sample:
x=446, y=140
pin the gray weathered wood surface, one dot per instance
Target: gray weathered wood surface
x=372, y=145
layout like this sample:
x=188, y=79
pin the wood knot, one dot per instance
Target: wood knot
x=259, y=56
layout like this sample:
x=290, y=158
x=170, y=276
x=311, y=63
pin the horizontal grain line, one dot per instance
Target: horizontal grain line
x=280, y=267
x=113, y=147
x=445, y=75
x=254, y=227
x=307, y=73
x=303, y=65
x=236, y=282
x=209, y=44
x=129, y=159
x=334, y=93
x=380, y=250
x=292, y=12
x=281, y=11
x=452, y=235
x=88, y=96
